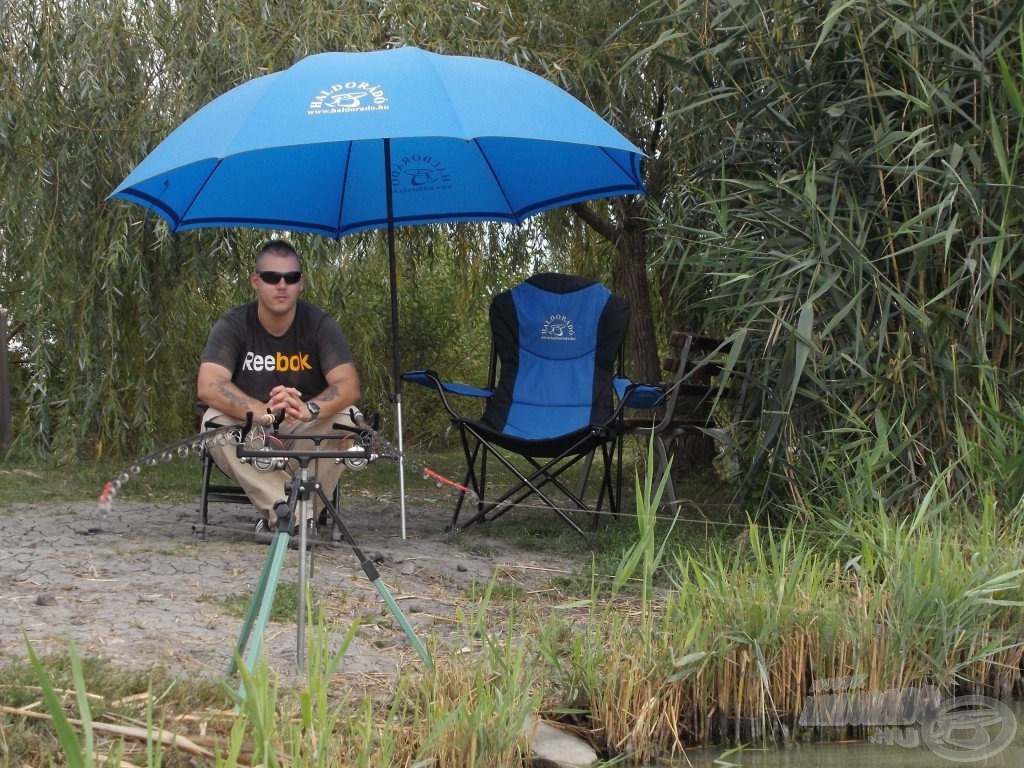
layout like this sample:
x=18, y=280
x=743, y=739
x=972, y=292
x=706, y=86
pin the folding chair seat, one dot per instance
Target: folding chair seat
x=555, y=344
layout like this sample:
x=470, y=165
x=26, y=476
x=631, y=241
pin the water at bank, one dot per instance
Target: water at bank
x=971, y=742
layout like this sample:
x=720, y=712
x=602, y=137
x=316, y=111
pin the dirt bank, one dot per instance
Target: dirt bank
x=135, y=587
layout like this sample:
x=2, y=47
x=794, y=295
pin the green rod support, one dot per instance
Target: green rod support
x=403, y=622
x=258, y=615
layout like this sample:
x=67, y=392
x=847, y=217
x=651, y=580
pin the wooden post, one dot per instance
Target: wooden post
x=5, y=389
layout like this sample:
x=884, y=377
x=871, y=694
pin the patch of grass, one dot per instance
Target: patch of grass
x=285, y=607
x=534, y=531
x=172, y=482
x=511, y=591
x=115, y=694
x=107, y=681
x=474, y=544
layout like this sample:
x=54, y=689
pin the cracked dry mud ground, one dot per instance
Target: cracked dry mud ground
x=137, y=588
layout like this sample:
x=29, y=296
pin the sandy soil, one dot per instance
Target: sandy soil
x=135, y=586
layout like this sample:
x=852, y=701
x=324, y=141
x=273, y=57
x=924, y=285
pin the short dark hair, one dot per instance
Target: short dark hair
x=278, y=247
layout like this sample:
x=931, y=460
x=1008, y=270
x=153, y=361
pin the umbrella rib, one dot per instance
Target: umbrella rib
x=595, y=193
x=519, y=216
x=199, y=191
x=153, y=205
x=490, y=169
x=632, y=172
x=344, y=189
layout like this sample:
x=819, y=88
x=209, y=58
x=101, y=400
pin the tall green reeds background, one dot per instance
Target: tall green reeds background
x=854, y=222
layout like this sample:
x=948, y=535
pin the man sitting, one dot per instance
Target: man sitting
x=277, y=354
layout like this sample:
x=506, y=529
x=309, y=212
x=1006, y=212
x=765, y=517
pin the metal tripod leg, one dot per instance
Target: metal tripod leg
x=262, y=602
x=266, y=589
x=372, y=574
x=305, y=509
x=263, y=597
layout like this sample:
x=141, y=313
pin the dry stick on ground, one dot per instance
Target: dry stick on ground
x=142, y=734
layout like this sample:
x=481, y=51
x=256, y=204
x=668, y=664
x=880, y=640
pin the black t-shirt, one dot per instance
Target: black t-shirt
x=259, y=361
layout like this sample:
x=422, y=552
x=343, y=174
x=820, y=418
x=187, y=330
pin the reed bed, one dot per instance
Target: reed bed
x=799, y=633
x=468, y=711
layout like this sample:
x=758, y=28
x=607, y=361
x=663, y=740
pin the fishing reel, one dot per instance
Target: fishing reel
x=363, y=433
x=364, y=442
x=261, y=441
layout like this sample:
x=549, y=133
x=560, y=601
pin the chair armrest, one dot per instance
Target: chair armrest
x=431, y=380
x=633, y=395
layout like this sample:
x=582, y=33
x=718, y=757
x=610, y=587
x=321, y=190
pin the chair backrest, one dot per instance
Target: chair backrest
x=556, y=338
x=698, y=362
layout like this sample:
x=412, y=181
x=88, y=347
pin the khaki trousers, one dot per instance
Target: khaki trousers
x=267, y=487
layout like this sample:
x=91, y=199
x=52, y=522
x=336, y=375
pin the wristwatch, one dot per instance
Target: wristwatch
x=314, y=410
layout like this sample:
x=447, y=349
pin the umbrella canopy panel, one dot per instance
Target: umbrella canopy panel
x=303, y=149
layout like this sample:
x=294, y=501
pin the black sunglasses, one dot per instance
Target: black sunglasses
x=273, y=278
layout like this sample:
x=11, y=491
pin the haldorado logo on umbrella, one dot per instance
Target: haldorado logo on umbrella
x=419, y=173
x=348, y=97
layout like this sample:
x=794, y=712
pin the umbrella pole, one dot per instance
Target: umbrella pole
x=396, y=366
x=401, y=461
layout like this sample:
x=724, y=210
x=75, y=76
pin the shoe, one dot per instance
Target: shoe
x=312, y=535
x=262, y=534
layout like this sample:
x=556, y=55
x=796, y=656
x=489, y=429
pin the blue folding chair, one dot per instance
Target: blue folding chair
x=550, y=398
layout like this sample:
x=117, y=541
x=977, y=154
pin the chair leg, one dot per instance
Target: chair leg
x=528, y=487
x=335, y=530
x=211, y=491
x=588, y=462
x=199, y=529
x=607, y=486
x=470, y=480
x=662, y=470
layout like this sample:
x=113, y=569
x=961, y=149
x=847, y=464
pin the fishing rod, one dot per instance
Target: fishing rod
x=261, y=433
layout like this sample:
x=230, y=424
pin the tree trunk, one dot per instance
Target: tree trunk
x=693, y=452
x=642, y=347
x=630, y=242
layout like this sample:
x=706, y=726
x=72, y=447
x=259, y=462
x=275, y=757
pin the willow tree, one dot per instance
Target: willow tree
x=111, y=310
x=852, y=214
x=115, y=309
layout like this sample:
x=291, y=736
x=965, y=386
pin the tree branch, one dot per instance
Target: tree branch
x=598, y=223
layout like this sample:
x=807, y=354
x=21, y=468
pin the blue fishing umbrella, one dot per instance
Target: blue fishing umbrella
x=344, y=142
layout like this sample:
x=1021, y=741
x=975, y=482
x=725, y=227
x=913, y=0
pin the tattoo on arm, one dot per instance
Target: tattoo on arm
x=234, y=395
